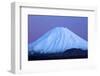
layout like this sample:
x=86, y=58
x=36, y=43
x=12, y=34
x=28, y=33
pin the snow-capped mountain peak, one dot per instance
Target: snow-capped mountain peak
x=57, y=39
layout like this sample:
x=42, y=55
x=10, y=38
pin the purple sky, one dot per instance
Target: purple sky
x=39, y=25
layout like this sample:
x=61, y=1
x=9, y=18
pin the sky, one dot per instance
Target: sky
x=38, y=25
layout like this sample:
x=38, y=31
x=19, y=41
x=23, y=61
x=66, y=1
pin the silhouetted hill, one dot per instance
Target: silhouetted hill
x=68, y=54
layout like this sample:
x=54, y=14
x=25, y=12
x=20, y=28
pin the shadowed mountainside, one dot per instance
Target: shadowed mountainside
x=68, y=54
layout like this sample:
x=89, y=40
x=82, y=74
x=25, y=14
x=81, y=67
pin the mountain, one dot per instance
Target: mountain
x=58, y=39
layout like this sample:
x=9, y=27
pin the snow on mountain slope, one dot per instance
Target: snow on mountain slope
x=57, y=39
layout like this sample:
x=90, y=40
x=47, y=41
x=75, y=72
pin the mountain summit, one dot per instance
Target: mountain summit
x=57, y=39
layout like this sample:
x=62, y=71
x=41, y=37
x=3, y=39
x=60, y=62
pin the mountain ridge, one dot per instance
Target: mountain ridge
x=58, y=39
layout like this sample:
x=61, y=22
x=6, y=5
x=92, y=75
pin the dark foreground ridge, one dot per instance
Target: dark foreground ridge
x=68, y=54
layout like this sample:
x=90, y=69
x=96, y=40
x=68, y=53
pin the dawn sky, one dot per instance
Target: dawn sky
x=39, y=25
